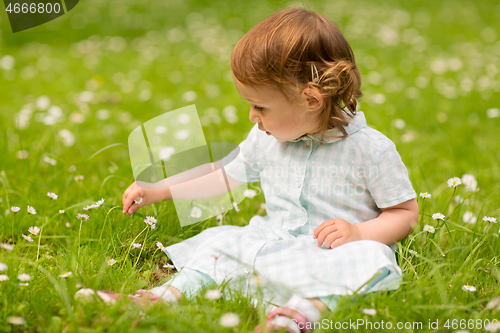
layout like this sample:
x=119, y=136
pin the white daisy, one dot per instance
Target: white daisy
x=168, y=266
x=65, y=275
x=469, y=217
x=494, y=326
x=454, y=182
x=68, y=225
x=257, y=280
x=369, y=312
x=15, y=209
x=92, y=206
x=412, y=238
x=160, y=246
x=229, y=319
x=494, y=303
x=16, y=320
x=236, y=207
x=3, y=277
x=196, y=212
x=413, y=252
x=136, y=245
x=468, y=288
x=151, y=221
x=489, y=219
x=34, y=230
x=111, y=262
x=438, y=216
x=249, y=193
x=182, y=134
x=49, y=160
x=470, y=182
x=425, y=195
x=100, y=202
x=459, y=199
x=81, y=216
x=3, y=267
x=138, y=200
x=78, y=178
x=31, y=210
x=24, y=277
x=61, y=211
x=52, y=195
x=6, y=246
x=28, y=238
x=429, y=228
x=213, y=294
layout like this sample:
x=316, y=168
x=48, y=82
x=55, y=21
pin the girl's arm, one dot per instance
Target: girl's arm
x=391, y=226
x=204, y=181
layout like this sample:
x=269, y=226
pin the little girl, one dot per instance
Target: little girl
x=337, y=193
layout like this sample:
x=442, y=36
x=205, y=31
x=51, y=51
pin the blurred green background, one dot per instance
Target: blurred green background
x=435, y=66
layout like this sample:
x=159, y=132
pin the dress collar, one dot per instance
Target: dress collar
x=355, y=124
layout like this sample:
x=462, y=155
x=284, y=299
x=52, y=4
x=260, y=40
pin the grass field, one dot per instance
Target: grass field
x=73, y=89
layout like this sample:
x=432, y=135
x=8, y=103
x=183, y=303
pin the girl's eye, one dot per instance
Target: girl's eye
x=257, y=108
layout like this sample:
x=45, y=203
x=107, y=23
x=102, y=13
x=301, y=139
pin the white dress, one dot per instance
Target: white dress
x=305, y=184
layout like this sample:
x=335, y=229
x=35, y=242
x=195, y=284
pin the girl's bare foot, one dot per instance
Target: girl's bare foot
x=166, y=294
x=295, y=315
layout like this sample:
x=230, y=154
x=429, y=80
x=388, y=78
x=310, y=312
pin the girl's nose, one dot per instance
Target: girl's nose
x=253, y=117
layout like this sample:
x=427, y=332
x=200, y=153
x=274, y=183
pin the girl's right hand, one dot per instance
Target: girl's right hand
x=133, y=192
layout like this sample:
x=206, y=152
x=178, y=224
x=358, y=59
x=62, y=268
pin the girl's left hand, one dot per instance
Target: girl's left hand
x=336, y=232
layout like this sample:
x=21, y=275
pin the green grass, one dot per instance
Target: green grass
x=171, y=47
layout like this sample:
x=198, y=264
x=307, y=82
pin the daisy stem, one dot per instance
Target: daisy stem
x=444, y=210
x=142, y=247
x=21, y=223
x=38, y=247
x=128, y=251
x=41, y=230
x=423, y=212
x=79, y=234
x=104, y=224
x=12, y=228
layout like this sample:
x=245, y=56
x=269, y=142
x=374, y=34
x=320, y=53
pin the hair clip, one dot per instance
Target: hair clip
x=315, y=79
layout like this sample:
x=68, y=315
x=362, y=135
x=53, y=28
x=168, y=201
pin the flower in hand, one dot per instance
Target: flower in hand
x=336, y=232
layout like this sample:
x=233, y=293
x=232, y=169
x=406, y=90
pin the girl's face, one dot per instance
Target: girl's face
x=275, y=115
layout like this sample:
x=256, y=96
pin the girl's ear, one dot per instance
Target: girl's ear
x=314, y=100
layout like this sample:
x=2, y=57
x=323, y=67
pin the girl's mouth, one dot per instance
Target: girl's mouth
x=268, y=133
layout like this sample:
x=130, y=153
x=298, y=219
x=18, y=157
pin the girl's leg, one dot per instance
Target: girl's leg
x=332, y=300
x=187, y=281
x=329, y=302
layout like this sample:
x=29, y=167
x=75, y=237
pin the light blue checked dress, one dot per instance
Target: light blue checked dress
x=305, y=184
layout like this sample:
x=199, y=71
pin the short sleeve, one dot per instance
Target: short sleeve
x=388, y=180
x=241, y=164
